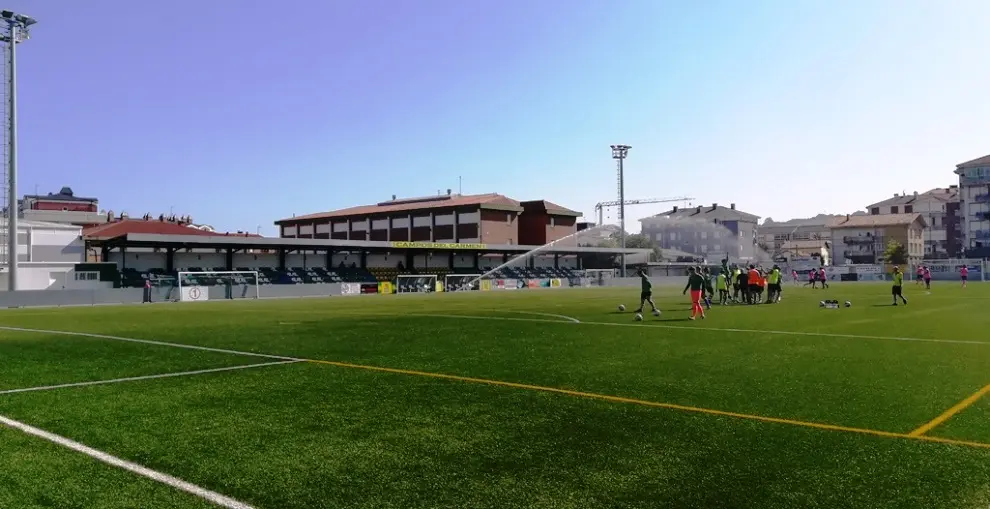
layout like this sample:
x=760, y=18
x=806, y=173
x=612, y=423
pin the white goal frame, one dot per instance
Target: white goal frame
x=446, y=279
x=253, y=273
x=400, y=277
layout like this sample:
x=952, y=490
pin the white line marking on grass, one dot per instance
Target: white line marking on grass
x=150, y=342
x=145, y=377
x=562, y=317
x=718, y=329
x=174, y=482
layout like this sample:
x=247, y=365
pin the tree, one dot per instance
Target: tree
x=895, y=254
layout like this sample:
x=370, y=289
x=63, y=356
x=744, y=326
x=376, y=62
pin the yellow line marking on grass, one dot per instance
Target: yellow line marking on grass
x=950, y=413
x=588, y=395
x=652, y=404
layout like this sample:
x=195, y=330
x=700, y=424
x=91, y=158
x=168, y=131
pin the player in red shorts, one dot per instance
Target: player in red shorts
x=696, y=283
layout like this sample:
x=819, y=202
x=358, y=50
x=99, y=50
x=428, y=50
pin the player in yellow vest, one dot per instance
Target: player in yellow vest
x=898, y=288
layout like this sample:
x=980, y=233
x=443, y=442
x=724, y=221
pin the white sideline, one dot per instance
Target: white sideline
x=174, y=482
x=145, y=377
x=562, y=317
x=715, y=329
x=150, y=342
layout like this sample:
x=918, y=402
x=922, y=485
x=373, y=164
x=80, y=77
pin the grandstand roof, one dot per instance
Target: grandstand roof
x=489, y=201
x=192, y=239
x=877, y=221
x=153, y=227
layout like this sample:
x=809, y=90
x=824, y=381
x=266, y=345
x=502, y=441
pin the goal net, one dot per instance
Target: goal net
x=415, y=283
x=461, y=282
x=217, y=285
x=596, y=277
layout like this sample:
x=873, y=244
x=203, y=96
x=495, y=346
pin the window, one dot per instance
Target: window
x=716, y=247
x=87, y=276
x=673, y=236
x=908, y=209
x=893, y=210
x=508, y=218
x=704, y=235
x=875, y=211
x=552, y=221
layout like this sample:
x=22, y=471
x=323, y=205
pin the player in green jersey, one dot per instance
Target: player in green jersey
x=646, y=291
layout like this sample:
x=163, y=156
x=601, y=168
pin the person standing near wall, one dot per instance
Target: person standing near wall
x=147, y=290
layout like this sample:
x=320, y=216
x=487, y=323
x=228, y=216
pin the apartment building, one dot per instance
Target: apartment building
x=941, y=209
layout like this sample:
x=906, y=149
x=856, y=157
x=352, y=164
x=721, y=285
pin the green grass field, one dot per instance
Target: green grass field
x=500, y=399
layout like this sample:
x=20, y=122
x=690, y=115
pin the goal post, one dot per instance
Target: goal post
x=415, y=283
x=217, y=285
x=461, y=282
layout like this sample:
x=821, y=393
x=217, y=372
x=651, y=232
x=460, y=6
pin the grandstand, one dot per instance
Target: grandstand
x=451, y=234
x=307, y=261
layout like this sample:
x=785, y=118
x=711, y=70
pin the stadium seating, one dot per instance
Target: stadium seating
x=134, y=278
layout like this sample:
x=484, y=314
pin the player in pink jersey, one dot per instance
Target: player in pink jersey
x=928, y=278
x=822, y=278
x=794, y=275
x=920, y=275
x=964, y=275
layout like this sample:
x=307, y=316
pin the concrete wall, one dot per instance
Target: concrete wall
x=48, y=298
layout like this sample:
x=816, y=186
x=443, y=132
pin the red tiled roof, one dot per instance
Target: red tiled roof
x=553, y=208
x=153, y=227
x=492, y=200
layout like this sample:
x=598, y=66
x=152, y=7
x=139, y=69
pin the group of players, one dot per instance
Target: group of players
x=748, y=286
x=732, y=285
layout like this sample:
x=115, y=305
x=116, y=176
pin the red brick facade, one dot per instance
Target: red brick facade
x=487, y=219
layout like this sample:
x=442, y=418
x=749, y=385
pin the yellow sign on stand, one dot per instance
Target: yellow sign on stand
x=385, y=287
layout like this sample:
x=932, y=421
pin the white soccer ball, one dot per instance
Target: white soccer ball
x=639, y=317
x=622, y=307
x=656, y=312
x=821, y=304
x=848, y=304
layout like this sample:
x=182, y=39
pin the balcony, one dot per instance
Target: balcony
x=859, y=239
x=982, y=216
x=981, y=198
x=980, y=234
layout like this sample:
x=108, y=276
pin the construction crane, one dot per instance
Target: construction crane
x=601, y=206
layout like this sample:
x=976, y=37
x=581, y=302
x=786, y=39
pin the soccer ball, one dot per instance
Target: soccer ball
x=622, y=307
x=821, y=304
x=656, y=312
x=848, y=304
x=639, y=317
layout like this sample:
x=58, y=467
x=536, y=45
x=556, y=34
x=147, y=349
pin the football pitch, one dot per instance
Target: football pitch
x=544, y=399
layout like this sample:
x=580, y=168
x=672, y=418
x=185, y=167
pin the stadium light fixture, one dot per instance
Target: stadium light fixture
x=619, y=153
x=17, y=30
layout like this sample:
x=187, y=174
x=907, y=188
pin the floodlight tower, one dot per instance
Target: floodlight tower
x=619, y=153
x=14, y=29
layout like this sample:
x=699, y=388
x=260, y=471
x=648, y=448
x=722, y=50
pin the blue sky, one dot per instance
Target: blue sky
x=241, y=112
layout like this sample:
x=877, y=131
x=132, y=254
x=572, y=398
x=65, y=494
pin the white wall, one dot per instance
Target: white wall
x=206, y=261
x=138, y=260
x=50, y=276
x=346, y=259
x=255, y=261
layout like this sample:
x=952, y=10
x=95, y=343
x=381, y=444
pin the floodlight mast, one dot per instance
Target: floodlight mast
x=619, y=153
x=17, y=31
